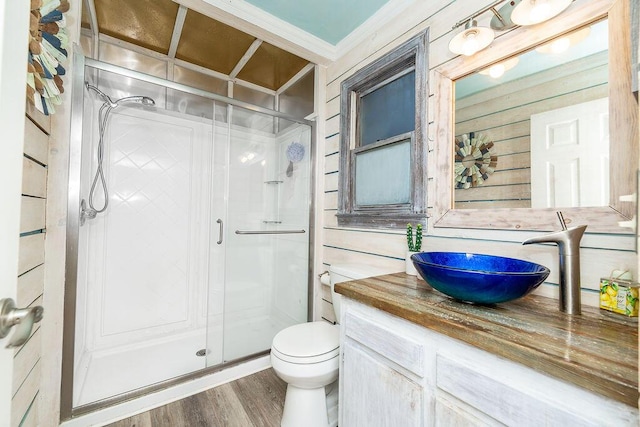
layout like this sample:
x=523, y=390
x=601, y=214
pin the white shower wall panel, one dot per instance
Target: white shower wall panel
x=289, y=299
x=146, y=253
x=294, y=194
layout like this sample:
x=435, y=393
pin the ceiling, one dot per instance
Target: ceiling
x=177, y=31
x=330, y=20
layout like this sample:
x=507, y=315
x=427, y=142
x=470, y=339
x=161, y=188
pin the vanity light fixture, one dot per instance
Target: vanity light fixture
x=472, y=39
x=531, y=12
x=515, y=12
x=475, y=38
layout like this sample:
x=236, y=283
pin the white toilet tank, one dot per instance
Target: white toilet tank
x=347, y=272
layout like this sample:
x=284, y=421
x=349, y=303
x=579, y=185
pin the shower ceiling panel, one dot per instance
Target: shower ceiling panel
x=146, y=23
x=271, y=66
x=201, y=40
x=211, y=44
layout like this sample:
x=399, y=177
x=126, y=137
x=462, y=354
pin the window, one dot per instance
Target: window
x=383, y=140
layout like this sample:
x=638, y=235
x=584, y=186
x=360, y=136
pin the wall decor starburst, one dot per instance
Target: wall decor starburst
x=475, y=160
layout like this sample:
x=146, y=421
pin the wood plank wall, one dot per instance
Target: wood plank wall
x=387, y=248
x=503, y=113
x=26, y=374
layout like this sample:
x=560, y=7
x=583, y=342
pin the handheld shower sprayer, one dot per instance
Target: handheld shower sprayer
x=144, y=100
x=109, y=104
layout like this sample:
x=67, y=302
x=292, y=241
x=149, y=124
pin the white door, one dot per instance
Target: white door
x=14, y=27
x=570, y=156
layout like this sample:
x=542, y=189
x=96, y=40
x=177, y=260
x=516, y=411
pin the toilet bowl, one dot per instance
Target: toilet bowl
x=307, y=358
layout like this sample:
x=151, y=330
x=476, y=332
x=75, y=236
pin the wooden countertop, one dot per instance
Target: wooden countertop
x=596, y=350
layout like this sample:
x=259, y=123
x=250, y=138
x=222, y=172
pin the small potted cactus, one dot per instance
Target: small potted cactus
x=413, y=246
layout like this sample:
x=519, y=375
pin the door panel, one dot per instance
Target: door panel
x=267, y=233
x=570, y=156
x=14, y=25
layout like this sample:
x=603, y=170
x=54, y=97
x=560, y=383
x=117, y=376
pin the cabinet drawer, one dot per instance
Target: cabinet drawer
x=509, y=405
x=401, y=350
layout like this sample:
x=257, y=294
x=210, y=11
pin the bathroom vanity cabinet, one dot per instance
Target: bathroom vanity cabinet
x=400, y=372
x=382, y=377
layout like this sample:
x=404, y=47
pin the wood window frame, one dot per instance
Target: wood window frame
x=410, y=55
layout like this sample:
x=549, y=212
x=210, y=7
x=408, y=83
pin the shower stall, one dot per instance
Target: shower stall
x=189, y=232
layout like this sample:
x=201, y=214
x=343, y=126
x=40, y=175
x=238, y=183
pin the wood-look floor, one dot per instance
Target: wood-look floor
x=255, y=400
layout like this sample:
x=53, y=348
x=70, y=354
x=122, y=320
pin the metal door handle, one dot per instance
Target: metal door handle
x=24, y=318
x=270, y=231
x=219, y=221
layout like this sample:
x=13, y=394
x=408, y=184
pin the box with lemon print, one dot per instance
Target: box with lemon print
x=619, y=296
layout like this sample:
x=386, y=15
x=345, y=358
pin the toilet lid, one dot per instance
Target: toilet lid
x=308, y=341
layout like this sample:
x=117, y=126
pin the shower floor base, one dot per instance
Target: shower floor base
x=108, y=373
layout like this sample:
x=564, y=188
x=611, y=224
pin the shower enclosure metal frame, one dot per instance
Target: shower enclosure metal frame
x=80, y=63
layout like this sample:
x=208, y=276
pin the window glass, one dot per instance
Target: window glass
x=383, y=175
x=389, y=110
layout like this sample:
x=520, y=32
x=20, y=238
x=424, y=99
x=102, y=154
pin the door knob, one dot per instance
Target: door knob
x=23, y=318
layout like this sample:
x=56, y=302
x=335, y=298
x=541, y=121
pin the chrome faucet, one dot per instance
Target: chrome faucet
x=568, y=241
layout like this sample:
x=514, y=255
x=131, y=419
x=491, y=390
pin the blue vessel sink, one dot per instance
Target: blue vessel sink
x=480, y=279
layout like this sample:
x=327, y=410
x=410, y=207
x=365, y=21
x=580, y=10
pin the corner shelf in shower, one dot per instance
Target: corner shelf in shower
x=273, y=182
x=272, y=222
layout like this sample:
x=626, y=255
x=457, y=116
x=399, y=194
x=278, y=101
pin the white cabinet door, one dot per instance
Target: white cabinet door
x=375, y=394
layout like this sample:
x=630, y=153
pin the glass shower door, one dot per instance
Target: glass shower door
x=266, y=247
x=142, y=260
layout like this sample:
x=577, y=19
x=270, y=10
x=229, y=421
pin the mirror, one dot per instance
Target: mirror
x=503, y=190
x=532, y=131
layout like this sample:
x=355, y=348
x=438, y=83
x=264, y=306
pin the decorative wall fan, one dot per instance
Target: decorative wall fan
x=48, y=43
x=475, y=160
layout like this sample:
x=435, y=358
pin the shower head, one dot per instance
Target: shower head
x=102, y=95
x=144, y=100
x=147, y=101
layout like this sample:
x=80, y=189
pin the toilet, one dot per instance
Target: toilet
x=306, y=357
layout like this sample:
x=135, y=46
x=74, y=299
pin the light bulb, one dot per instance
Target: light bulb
x=470, y=45
x=497, y=71
x=560, y=45
x=471, y=40
x=541, y=11
x=531, y=12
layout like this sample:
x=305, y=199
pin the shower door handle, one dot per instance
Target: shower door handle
x=220, y=230
x=23, y=318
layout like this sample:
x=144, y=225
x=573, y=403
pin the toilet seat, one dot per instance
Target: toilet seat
x=307, y=343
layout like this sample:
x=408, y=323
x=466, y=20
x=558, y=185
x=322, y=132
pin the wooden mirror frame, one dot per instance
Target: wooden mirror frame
x=623, y=125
